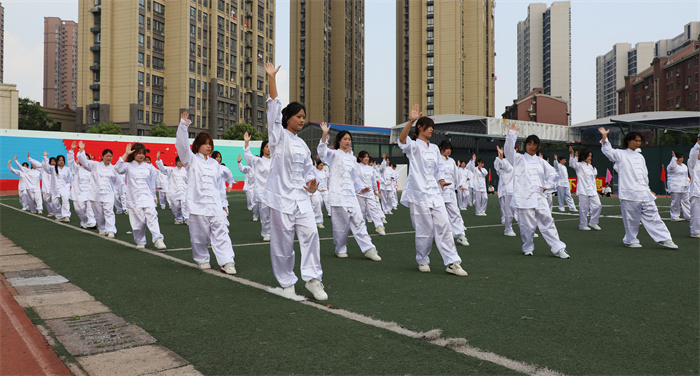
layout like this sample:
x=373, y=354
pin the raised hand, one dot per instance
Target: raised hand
x=28, y=152
x=186, y=117
x=604, y=132
x=311, y=186
x=384, y=154
x=81, y=146
x=271, y=70
x=555, y=157
x=473, y=157
x=571, y=150
x=15, y=157
x=325, y=127
x=512, y=127
x=157, y=156
x=673, y=153
x=9, y=163
x=415, y=113
x=500, y=151
x=127, y=151
x=46, y=154
x=239, y=158
x=73, y=145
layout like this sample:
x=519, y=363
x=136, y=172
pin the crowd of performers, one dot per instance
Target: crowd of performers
x=287, y=190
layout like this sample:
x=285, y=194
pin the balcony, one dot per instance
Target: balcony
x=95, y=29
x=95, y=86
x=247, y=105
x=93, y=106
x=96, y=9
x=95, y=48
x=95, y=67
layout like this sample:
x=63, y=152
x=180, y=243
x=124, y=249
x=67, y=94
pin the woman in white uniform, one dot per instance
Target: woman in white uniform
x=207, y=223
x=33, y=180
x=563, y=188
x=588, y=200
x=61, y=179
x=422, y=194
x=636, y=199
x=82, y=189
x=505, y=191
x=21, y=185
x=448, y=193
x=369, y=206
x=141, y=194
x=104, y=181
x=694, y=191
x=261, y=170
x=678, y=183
x=480, y=194
x=177, y=188
x=533, y=176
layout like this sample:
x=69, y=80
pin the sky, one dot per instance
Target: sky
x=595, y=26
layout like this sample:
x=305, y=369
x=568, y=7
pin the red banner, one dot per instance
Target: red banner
x=599, y=184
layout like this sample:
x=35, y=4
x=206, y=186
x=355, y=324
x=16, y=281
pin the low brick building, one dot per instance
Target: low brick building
x=538, y=107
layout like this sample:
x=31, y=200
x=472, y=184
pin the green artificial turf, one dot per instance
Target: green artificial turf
x=607, y=310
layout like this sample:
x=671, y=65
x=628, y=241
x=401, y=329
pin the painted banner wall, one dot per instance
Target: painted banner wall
x=20, y=142
x=599, y=183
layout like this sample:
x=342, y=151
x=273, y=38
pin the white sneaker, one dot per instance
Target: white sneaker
x=159, y=244
x=390, y=213
x=228, y=268
x=178, y=222
x=529, y=253
x=110, y=234
x=187, y=222
x=562, y=254
x=384, y=220
x=425, y=268
x=204, y=266
x=341, y=255
x=595, y=227
x=140, y=246
x=573, y=210
x=255, y=219
x=266, y=238
x=289, y=292
x=396, y=207
x=126, y=211
x=562, y=209
x=668, y=244
x=536, y=235
x=373, y=255
x=316, y=288
x=25, y=209
x=380, y=230
x=329, y=214
x=463, y=209
x=585, y=228
x=465, y=228
x=38, y=212
x=320, y=225
x=33, y=211
x=676, y=219
x=462, y=240
x=633, y=245
x=481, y=214
x=509, y=233
x=456, y=269
x=103, y=233
x=50, y=216
x=697, y=236
x=66, y=219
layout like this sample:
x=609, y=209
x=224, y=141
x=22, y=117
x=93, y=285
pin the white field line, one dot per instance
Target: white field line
x=458, y=345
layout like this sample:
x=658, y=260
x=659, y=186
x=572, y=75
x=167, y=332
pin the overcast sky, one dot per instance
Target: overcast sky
x=596, y=26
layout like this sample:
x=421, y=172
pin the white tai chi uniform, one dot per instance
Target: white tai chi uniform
x=21, y=186
x=344, y=185
x=530, y=174
x=464, y=192
x=102, y=191
x=81, y=192
x=261, y=172
x=395, y=188
x=479, y=185
x=505, y=192
x=588, y=200
x=177, y=190
x=678, y=183
x=320, y=197
x=141, y=198
x=45, y=185
x=387, y=187
x=448, y=195
x=423, y=196
x=120, y=194
x=249, y=188
x=694, y=191
x=61, y=179
x=163, y=188
x=207, y=222
x=636, y=199
x=369, y=205
x=290, y=207
x=32, y=178
x=563, y=188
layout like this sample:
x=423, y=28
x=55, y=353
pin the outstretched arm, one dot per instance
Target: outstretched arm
x=182, y=143
x=606, y=148
x=415, y=115
x=509, y=147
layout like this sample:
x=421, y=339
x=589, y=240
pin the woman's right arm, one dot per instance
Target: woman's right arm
x=182, y=143
x=415, y=115
x=82, y=158
x=606, y=148
x=509, y=147
x=274, y=109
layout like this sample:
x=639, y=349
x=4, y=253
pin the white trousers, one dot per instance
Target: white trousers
x=162, y=199
x=316, y=204
x=24, y=199
x=211, y=231
x=387, y=200
x=344, y=220
x=283, y=227
x=370, y=209
x=249, y=199
x=118, y=204
x=48, y=203
x=531, y=219
x=140, y=218
x=256, y=210
x=433, y=223
x=680, y=200
x=480, y=201
x=178, y=206
x=395, y=198
x=646, y=212
x=84, y=211
x=455, y=217
x=472, y=197
x=464, y=198
x=34, y=200
x=695, y=216
x=564, y=198
x=61, y=204
x=104, y=216
x=264, y=212
x=549, y=201
x=324, y=198
x=506, y=212
x=589, y=205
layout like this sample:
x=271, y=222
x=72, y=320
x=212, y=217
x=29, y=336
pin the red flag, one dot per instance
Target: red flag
x=490, y=179
x=663, y=173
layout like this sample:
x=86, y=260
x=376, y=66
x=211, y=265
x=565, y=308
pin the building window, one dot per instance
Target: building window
x=157, y=118
x=139, y=114
x=140, y=40
x=157, y=100
x=158, y=82
x=141, y=20
x=192, y=83
x=140, y=97
x=158, y=8
x=158, y=63
x=158, y=45
x=191, y=65
x=193, y=14
x=140, y=78
x=158, y=27
x=193, y=31
x=140, y=58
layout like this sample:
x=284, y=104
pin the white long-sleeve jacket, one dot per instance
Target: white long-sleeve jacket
x=694, y=168
x=505, y=177
x=585, y=174
x=452, y=176
x=177, y=180
x=22, y=184
x=633, y=182
x=82, y=187
x=261, y=172
x=32, y=177
x=104, y=179
x=368, y=176
x=344, y=183
x=530, y=174
x=142, y=181
x=422, y=184
x=677, y=176
x=480, y=175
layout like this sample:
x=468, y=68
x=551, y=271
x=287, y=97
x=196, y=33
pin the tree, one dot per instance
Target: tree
x=32, y=117
x=106, y=128
x=162, y=130
x=236, y=131
x=673, y=138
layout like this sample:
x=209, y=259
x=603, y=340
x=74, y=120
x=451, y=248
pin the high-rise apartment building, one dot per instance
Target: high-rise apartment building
x=445, y=57
x=326, y=55
x=2, y=42
x=544, y=50
x=60, y=63
x=611, y=69
x=667, y=47
x=142, y=63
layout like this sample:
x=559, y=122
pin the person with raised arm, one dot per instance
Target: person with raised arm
x=588, y=200
x=32, y=178
x=678, y=184
x=369, y=205
x=21, y=185
x=532, y=177
x=61, y=179
x=505, y=191
x=448, y=193
x=476, y=166
x=636, y=198
x=249, y=188
x=563, y=189
x=422, y=194
x=345, y=184
x=207, y=223
x=286, y=194
x=694, y=190
x=386, y=185
x=177, y=189
x=80, y=194
x=102, y=189
x=322, y=179
x=261, y=171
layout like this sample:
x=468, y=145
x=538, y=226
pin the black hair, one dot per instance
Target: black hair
x=583, y=154
x=424, y=123
x=679, y=155
x=138, y=148
x=630, y=137
x=339, y=137
x=202, y=138
x=262, y=146
x=52, y=159
x=215, y=154
x=479, y=161
x=562, y=157
x=25, y=164
x=291, y=110
x=318, y=161
x=533, y=138
x=57, y=159
x=445, y=144
x=361, y=155
x=106, y=151
x=177, y=159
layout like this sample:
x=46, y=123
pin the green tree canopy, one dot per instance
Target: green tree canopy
x=673, y=138
x=105, y=128
x=32, y=117
x=236, y=131
x=162, y=130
